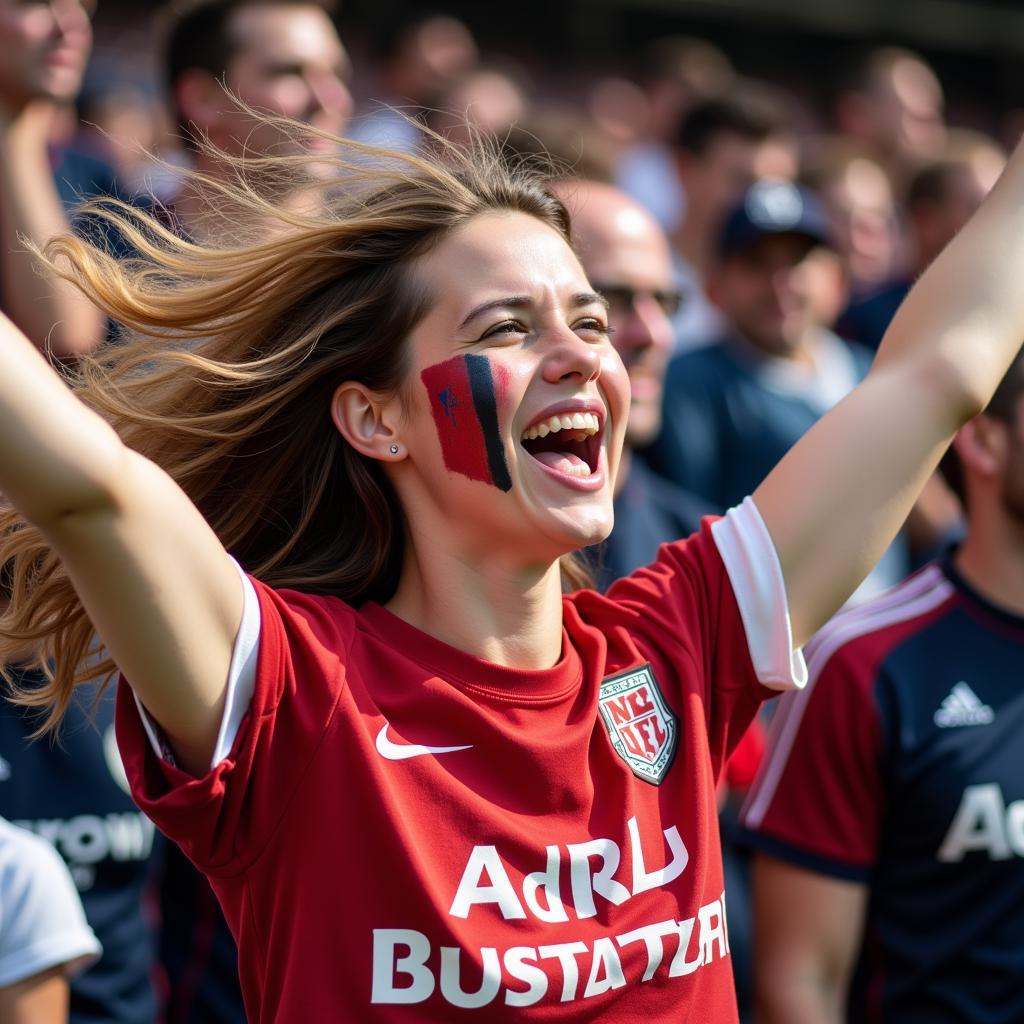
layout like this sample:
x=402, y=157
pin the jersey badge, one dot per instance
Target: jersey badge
x=642, y=728
x=962, y=707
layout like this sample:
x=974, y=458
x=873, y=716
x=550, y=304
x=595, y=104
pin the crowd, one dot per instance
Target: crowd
x=750, y=254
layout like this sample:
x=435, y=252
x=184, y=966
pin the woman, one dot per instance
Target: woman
x=418, y=777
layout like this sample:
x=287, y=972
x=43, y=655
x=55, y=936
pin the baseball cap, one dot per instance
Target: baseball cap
x=773, y=208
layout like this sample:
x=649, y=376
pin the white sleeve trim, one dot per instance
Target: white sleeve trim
x=754, y=571
x=42, y=923
x=241, y=681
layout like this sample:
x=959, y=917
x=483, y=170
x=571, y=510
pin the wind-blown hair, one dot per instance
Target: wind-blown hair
x=230, y=356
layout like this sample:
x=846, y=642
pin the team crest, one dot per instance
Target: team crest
x=642, y=728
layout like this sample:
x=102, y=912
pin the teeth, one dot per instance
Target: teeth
x=587, y=421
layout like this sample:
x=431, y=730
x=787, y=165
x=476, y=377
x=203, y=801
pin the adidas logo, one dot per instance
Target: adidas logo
x=962, y=707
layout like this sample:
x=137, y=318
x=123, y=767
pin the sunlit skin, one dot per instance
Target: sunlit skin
x=767, y=291
x=289, y=61
x=45, y=48
x=625, y=251
x=546, y=334
x=509, y=288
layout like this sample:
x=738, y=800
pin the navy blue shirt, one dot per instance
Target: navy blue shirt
x=728, y=418
x=730, y=415
x=902, y=766
x=75, y=795
x=866, y=320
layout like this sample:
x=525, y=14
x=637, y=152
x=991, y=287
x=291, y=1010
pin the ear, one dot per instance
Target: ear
x=200, y=98
x=366, y=421
x=982, y=445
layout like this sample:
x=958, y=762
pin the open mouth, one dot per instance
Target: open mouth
x=568, y=443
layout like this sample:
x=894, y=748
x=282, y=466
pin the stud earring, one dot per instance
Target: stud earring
x=394, y=449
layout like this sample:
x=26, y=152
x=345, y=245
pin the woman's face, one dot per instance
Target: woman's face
x=516, y=401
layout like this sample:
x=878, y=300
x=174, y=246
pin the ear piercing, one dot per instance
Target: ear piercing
x=394, y=449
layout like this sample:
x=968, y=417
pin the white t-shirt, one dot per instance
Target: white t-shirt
x=42, y=923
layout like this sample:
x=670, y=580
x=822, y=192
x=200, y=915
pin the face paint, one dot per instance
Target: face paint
x=464, y=394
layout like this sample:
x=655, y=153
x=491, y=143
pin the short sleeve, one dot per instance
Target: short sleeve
x=223, y=820
x=818, y=797
x=42, y=923
x=707, y=635
x=723, y=590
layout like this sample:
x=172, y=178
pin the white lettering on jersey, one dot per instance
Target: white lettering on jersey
x=485, y=879
x=412, y=965
x=962, y=707
x=86, y=839
x=519, y=969
x=984, y=822
x=553, y=909
x=485, y=861
x=407, y=968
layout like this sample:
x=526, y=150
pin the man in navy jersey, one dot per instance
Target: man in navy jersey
x=44, y=47
x=888, y=816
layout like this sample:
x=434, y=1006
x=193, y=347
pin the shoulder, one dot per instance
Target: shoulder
x=42, y=924
x=860, y=637
x=81, y=175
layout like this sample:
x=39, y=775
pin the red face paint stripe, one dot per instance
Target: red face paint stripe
x=458, y=426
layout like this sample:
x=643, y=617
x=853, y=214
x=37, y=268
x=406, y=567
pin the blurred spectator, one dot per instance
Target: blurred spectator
x=675, y=74
x=722, y=146
x=43, y=933
x=564, y=142
x=626, y=257
x=861, y=209
x=890, y=101
x=940, y=199
x=490, y=99
x=889, y=878
x=733, y=409
x=45, y=47
x=127, y=125
x=75, y=795
x=280, y=57
x=417, y=62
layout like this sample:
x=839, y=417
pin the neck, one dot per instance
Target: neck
x=991, y=559
x=496, y=611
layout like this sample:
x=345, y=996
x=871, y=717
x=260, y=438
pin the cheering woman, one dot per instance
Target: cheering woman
x=319, y=508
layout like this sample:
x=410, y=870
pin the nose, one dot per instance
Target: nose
x=70, y=18
x=572, y=358
x=330, y=95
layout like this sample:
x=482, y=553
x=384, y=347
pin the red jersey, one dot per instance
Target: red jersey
x=403, y=832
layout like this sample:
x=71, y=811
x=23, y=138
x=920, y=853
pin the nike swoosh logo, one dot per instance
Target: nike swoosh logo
x=400, y=752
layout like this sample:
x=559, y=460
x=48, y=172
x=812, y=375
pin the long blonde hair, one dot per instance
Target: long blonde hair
x=230, y=355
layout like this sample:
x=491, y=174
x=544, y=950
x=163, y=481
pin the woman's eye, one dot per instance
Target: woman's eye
x=504, y=328
x=593, y=325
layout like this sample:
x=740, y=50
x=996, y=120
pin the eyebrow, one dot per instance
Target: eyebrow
x=524, y=302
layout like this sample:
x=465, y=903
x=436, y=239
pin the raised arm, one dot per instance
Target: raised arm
x=836, y=500
x=54, y=315
x=157, y=584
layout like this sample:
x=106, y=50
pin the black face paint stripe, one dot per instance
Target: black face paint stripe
x=481, y=386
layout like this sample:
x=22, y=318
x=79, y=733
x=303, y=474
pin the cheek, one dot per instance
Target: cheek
x=465, y=394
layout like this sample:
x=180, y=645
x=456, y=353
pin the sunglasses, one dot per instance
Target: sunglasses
x=622, y=297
